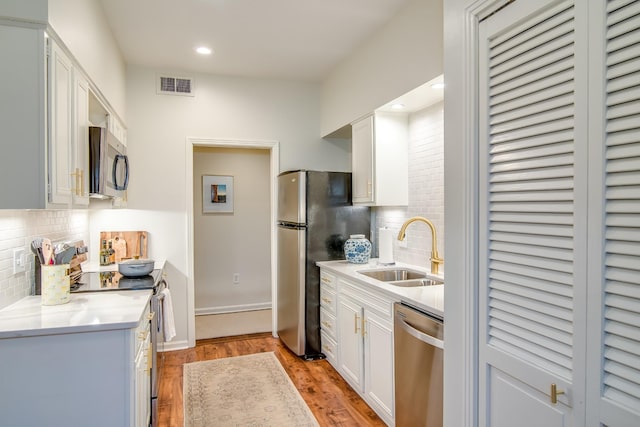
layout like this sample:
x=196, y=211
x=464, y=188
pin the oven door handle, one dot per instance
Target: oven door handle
x=160, y=308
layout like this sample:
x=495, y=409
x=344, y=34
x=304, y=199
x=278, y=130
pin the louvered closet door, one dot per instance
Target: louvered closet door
x=615, y=271
x=532, y=195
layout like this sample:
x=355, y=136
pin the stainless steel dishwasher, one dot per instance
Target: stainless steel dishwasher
x=418, y=350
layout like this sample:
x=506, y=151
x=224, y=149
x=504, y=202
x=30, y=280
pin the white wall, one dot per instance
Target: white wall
x=17, y=230
x=404, y=54
x=223, y=107
x=82, y=26
x=426, y=189
x=226, y=244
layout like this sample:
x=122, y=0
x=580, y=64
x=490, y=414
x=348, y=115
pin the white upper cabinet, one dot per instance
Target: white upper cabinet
x=44, y=119
x=559, y=202
x=61, y=123
x=22, y=118
x=68, y=145
x=80, y=150
x=380, y=162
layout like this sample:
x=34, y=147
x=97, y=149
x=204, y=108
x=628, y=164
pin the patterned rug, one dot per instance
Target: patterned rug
x=251, y=390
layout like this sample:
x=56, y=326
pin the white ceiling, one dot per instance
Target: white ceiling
x=284, y=39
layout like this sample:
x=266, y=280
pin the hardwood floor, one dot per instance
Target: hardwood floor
x=330, y=398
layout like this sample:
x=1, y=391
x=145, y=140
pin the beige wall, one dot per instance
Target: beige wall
x=237, y=243
x=404, y=54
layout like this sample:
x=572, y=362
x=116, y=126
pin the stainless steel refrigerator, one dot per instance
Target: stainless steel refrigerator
x=315, y=218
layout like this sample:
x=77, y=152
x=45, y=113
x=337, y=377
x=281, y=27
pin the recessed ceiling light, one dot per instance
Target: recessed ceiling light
x=437, y=86
x=203, y=50
x=397, y=106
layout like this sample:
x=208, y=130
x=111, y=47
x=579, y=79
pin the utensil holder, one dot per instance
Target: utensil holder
x=55, y=284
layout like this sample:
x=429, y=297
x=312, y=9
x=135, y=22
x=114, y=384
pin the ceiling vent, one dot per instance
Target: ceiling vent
x=172, y=85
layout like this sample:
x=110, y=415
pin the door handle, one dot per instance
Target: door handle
x=555, y=393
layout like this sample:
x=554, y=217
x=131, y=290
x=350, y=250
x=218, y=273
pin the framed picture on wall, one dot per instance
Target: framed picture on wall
x=217, y=194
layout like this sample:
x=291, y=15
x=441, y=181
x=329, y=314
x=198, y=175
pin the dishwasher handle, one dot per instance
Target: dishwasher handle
x=419, y=334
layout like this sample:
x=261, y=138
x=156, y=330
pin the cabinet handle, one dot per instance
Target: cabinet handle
x=364, y=327
x=82, y=182
x=149, y=360
x=356, y=322
x=74, y=189
x=143, y=335
x=369, y=185
x=555, y=393
x=327, y=300
x=327, y=324
x=151, y=315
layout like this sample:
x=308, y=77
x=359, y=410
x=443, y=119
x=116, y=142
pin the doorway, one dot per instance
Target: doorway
x=223, y=288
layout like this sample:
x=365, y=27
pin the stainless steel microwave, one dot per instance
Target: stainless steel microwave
x=108, y=163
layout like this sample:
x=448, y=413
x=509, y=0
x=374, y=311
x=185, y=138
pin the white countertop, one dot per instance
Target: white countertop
x=85, y=312
x=427, y=298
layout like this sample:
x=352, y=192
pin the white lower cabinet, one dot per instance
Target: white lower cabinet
x=77, y=379
x=143, y=379
x=358, y=340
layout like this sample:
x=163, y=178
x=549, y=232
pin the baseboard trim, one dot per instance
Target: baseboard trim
x=233, y=308
x=175, y=345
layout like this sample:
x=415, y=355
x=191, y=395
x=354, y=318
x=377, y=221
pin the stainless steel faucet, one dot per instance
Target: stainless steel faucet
x=435, y=258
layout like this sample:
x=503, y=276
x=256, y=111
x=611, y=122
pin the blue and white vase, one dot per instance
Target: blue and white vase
x=357, y=249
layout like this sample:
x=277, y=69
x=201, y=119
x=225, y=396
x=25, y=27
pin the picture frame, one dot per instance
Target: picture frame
x=217, y=194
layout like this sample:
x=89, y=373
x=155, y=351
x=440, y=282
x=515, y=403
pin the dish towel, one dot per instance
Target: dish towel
x=167, y=318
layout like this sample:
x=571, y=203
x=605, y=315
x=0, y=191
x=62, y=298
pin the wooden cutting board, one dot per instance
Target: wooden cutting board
x=126, y=244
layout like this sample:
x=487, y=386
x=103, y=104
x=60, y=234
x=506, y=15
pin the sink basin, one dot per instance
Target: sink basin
x=392, y=275
x=416, y=282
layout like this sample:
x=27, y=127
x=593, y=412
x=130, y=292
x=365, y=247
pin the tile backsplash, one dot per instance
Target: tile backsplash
x=426, y=189
x=18, y=228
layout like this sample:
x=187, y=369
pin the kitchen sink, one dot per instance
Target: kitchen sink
x=416, y=282
x=393, y=275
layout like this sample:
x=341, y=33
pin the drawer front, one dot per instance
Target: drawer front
x=328, y=323
x=329, y=349
x=327, y=279
x=328, y=300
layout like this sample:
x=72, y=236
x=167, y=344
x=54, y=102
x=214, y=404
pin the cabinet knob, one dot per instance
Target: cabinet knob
x=555, y=393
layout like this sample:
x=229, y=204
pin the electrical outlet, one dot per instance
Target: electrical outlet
x=18, y=261
x=236, y=278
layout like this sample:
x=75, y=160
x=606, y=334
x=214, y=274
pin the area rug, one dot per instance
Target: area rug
x=251, y=390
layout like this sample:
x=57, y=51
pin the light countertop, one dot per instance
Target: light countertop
x=85, y=312
x=427, y=298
